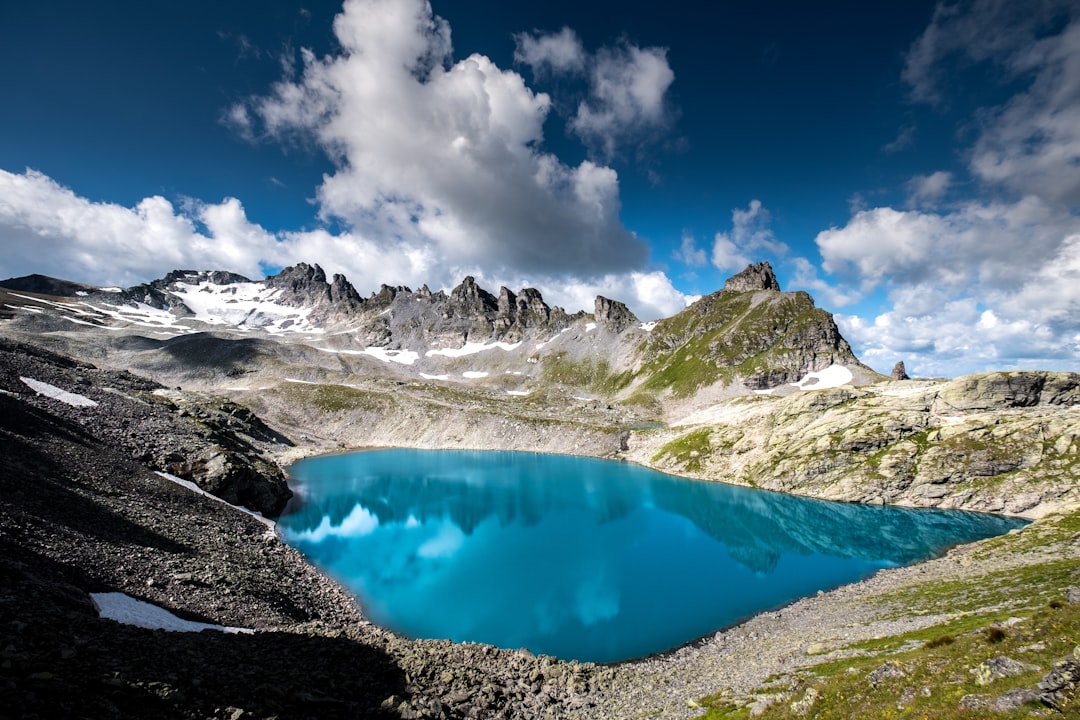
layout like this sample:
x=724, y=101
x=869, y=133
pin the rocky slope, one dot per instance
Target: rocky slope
x=995, y=442
x=84, y=511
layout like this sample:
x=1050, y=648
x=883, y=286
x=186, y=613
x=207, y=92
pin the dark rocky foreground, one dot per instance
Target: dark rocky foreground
x=83, y=511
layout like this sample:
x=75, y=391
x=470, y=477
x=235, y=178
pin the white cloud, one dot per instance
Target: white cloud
x=749, y=238
x=627, y=97
x=445, y=156
x=806, y=278
x=990, y=281
x=650, y=295
x=47, y=228
x=689, y=253
x=725, y=254
x=928, y=189
x=560, y=52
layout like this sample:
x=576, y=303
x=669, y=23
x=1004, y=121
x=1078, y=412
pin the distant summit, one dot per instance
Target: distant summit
x=759, y=276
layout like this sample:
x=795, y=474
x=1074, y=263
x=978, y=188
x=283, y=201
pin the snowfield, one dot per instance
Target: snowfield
x=130, y=611
x=51, y=391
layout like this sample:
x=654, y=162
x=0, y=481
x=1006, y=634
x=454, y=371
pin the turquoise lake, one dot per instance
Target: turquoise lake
x=581, y=558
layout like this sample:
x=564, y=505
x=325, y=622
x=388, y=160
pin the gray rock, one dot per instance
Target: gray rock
x=612, y=314
x=1000, y=667
x=1072, y=595
x=1060, y=684
x=887, y=671
x=758, y=276
x=899, y=372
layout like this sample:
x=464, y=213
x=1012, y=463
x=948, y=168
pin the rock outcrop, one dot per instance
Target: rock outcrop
x=305, y=286
x=212, y=442
x=612, y=315
x=759, y=276
x=899, y=372
x=994, y=442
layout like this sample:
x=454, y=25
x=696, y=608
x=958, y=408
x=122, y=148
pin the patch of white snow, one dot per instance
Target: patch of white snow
x=831, y=377
x=470, y=348
x=402, y=357
x=199, y=491
x=434, y=377
x=519, y=393
x=647, y=327
x=474, y=374
x=51, y=391
x=131, y=611
x=590, y=326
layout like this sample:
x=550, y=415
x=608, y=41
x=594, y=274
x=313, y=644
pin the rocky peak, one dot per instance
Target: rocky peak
x=304, y=285
x=899, y=372
x=471, y=300
x=612, y=314
x=301, y=285
x=341, y=290
x=194, y=277
x=758, y=276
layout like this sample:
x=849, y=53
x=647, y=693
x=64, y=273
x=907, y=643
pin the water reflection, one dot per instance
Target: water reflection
x=583, y=558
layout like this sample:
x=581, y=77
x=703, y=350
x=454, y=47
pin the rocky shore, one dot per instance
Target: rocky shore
x=86, y=509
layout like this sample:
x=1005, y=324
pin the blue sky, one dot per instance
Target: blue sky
x=914, y=166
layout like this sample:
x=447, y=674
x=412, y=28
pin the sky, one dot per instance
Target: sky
x=915, y=166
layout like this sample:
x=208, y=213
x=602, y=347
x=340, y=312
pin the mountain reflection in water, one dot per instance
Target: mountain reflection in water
x=582, y=558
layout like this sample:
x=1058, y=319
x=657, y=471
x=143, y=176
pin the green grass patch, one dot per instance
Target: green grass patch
x=687, y=450
x=331, y=398
x=592, y=373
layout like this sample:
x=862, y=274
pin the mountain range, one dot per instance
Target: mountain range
x=114, y=398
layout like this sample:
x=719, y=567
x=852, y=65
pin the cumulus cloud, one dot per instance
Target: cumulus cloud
x=992, y=280
x=627, y=97
x=445, y=155
x=47, y=228
x=560, y=52
x=928, y=189
x=438, y=172
x=750, y=236
x=806, y=278
x=689, y=253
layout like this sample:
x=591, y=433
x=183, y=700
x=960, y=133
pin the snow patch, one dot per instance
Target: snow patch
x=434, y=377
x=474, y=374
x=647, y=327
x=302, y=382
x=401, y=357
x=590, y=326
x=130, y=611
x=831, y=377
x=199, y=491
x=470, y=348
x=251, y=305
x=51, y=391
x=519, y=393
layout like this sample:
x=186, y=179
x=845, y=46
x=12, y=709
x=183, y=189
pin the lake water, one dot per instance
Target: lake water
x=581, y=558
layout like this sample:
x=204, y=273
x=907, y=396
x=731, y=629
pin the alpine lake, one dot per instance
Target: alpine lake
x=584, y=559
